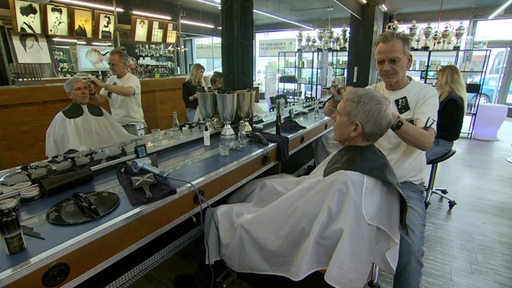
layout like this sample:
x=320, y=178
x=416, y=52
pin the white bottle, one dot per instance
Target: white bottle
x=206, y=136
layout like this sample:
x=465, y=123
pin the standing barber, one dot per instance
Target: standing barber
x=122, y=90
x=415, y=110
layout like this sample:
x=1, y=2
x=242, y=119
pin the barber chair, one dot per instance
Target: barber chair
x=439, y=191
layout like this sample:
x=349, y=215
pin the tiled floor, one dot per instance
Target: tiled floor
x=470, y=247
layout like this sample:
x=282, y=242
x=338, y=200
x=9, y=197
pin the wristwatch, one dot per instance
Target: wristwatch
x=397, y=125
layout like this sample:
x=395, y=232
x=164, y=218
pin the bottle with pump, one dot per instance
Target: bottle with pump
x=176, y=132
x=206, y=135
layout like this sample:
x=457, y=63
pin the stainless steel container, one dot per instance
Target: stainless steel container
x=226, y=105
x=245, y=100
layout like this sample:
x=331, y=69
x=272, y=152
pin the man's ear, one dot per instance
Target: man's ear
x=357, y=129
x=69, y=95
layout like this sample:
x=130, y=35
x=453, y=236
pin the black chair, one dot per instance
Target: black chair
x=439, y=191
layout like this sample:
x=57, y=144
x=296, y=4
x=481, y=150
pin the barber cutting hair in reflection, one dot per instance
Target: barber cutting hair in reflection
x=82, y=126
x=122, y=90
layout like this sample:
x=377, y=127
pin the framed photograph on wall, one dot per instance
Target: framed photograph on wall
x=157, y=31
x=26, y=16
x=104, y=25
x=30, y=48
x=140, y=27
x=170, y=34
x=57, y=20
x=82, y=23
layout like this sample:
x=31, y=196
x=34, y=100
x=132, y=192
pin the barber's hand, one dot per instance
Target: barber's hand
x=191, y=98
x=93, y=79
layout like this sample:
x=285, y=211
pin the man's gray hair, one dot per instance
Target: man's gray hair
x=68, y=85
x=388, y=36
x=370, y=108
x=121, y=53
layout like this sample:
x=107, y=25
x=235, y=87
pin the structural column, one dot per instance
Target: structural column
x=363, y=33
x=237, y=43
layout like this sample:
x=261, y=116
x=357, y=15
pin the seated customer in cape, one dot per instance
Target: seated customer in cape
x=341, y=218
x=82, y=126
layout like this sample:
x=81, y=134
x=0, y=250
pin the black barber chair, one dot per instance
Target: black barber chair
x=439, y=191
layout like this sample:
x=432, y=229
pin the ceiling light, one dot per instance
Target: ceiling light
x=101, y=43
x=92, y=5
x=210, y=3
x=196, y=23
x=159, y=16
x=64, y=40
x=284, y=19
x=383, y=7
x=499, y=10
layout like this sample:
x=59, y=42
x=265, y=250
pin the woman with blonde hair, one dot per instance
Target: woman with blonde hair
x=452, y=108
x=193, y=84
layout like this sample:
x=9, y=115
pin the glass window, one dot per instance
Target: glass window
x=487, y=30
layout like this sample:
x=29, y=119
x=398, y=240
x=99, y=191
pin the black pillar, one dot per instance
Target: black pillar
x=237, y=43
x=363, y=33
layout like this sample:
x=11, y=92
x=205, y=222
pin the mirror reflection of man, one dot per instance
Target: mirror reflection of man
x=122, y=90
x=81, y=125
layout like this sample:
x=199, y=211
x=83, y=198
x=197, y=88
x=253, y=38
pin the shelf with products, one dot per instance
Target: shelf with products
x=471, y=63
x=304, y=74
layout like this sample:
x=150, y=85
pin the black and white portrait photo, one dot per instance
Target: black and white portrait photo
x=28, y=17
x=57, y=19
x=141, y=29
x=106, y=26
x=31, y=48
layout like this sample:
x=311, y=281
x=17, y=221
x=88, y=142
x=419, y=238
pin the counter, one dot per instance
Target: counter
x=27, y=111
x=89, y=247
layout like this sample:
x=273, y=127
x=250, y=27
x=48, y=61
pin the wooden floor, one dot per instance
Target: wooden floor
x=470, y=247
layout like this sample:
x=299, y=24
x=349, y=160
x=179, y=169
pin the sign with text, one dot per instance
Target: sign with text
x=270, y=48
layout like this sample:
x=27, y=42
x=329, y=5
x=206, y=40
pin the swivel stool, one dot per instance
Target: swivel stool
x=439, y=191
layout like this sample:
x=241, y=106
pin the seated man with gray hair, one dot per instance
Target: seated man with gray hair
x=341, y=218
x=82, y=126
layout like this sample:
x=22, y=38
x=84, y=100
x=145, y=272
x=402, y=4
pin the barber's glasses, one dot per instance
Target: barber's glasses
x=391, y=61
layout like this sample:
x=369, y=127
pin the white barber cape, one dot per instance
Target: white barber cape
x=295, y=226
x=83, y=132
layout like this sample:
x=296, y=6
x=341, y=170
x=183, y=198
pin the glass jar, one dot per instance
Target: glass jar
x=10, y=228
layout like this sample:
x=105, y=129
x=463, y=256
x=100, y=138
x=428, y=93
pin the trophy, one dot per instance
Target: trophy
x=207, y=106
x=329, y=36
x=308, y=43
x=436, y=38
x=445, y=35
x=459, y=32
x=321, y=38
x=413, y=29
x=245, y=99
x=344, y=37
x=299, y=41
x=427, y=32
x=226, y=105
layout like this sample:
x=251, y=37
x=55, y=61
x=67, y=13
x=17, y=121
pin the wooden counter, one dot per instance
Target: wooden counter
x=128, y=227
x=26, y=113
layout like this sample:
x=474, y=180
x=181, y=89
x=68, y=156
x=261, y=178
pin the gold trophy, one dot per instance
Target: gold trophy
x=459, y=32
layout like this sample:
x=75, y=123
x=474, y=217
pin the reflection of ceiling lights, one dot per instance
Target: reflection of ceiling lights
x=92, y=5
x=284, y=19
x=261, y=12
x=499, y=10
x=196, y=23
x=159, y=16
